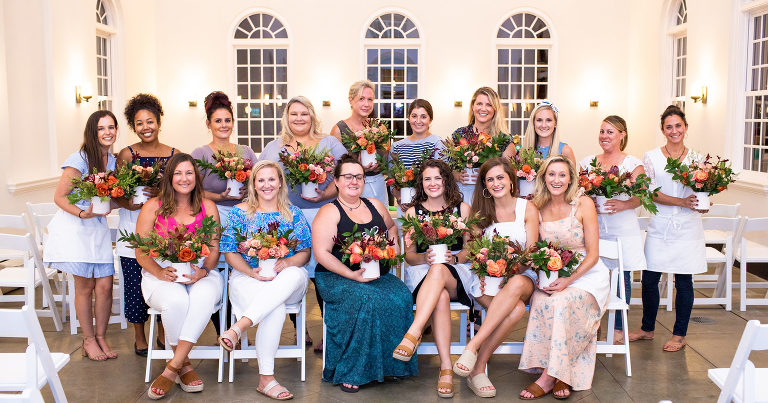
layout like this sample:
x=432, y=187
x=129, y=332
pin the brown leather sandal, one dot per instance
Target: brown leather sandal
x=191, y=376
x=535, y=390
x=408, y=350
x=559, y=386
x=445, y=385
x=162, y=383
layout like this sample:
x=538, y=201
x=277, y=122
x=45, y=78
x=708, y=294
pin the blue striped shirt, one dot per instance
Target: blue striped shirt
x=410, y=151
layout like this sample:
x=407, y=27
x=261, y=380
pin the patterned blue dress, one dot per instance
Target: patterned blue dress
x=365, y=321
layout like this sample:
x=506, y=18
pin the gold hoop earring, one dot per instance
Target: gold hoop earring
x=489, y=193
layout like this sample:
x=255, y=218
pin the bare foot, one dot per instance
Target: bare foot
x=319, y=347
x=105, y=347
x=618, y=337
x=676, y=343
x=640, y=335
x=92, y=350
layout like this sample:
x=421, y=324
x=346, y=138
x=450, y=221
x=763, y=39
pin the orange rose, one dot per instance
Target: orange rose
x=484, y=137
x=186, y=255
x=409, y=175
x=377, y=254
x=371, y=148
x=684, y=175
x=555, y=263
x=442, y=232
x=493, y=268
x=463, y=142
x=263, y=254
x=102, y=190
x=597, y=181
x=283, y=250
x=312, y=176
x=355, y=249
x=502, y=265
x=117, y=192
x=362, y=142
x=303, y=167
x=355, y=258
x=111, y=181
x=240, y=176
x=322, y=178
x=153, y=253
x=391, y=253
x=700, y=175
x=526, y=168
x=204, y=251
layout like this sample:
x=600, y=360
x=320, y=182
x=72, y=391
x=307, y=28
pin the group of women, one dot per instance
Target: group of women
x=372, y=329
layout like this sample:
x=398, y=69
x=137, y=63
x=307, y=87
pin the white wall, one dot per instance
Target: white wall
x=178, y=49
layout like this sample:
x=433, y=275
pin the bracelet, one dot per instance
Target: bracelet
x=207, y=270
x=79, y=214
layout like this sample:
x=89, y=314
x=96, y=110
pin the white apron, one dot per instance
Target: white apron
x=71, y=239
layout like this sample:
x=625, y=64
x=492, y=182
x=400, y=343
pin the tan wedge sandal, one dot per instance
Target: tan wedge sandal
x=445, y=385
x=408, y=350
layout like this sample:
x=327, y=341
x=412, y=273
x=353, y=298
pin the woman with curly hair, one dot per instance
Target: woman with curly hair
x=143, y=113
x=435, y=285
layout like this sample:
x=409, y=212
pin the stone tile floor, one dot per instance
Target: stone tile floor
x=656, y=375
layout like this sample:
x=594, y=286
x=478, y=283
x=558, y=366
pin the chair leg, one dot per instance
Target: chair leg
x=609, y=331
x=302, y=343
x=463, y=323
x=150, y=348
x=743, y=284
x=73, y=322
x=670, y=286
x=628, y=362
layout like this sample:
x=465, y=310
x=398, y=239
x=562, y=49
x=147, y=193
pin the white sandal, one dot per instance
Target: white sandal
x=272, y=385
x=224, y=336
x=481, y=381
x=467, y=359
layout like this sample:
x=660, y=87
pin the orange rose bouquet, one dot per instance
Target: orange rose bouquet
x=267, y=245
x=705, y=177
x=604, y=185
x=436, y=231
x=400, y=177
x=374, y=137
x=308, y=167
x=232, y=167
x=368, y=248
x=137, y=176
x=552, y=261
x=98, y=188
x=177, y=246
x=495, y=257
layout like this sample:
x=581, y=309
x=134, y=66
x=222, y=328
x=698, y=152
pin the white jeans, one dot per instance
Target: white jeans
x=186, y=309
x=263, y=302
x=376, y=188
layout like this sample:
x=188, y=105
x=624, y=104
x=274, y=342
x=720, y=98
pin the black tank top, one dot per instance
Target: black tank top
x=420, y=210
x=346, y=224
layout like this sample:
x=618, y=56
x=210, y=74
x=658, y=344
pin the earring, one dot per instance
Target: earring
x=484, y=192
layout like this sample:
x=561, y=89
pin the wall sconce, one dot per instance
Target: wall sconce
x=593, y=104
x=82, y=93
x=326, y=103
x=702, y=97
x=192, y=103
x=457, y=104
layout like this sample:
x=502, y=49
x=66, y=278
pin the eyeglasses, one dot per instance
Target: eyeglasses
x=350, y=177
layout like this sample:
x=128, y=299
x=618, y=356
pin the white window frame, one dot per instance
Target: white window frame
x=108, y=32
x=674, y=33
x=249, y=44
x=391, y=43
x=525, y=43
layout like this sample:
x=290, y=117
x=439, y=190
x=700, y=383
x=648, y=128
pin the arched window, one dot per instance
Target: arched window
x=679, y=34
x=523, y=49
x=105, y=33
x=261, y=75
x=756, y=92
x=392, y=44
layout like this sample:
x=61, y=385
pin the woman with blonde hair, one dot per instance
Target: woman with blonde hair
x=361, y=98
x=301, y=128
x=541, y=132
x=485, y=116
x=561, y=338
x=261, y=299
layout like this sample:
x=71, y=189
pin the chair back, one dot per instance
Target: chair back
x=755, y=224
x=643, y=222
x=40, y=225
x=612, y=250
x=48, y=208
x=754, y=338
x=14, y=221
x=723, y=210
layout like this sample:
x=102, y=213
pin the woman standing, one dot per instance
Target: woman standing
x=621, y=220
x=185, y=307
x=561, y=338
x=361, y=96
x=300, y=126
x=542, y=132
x=220, y=122
x=356, y=307
x=675, y=240
x=421, y=140
x=143, y=113
x=516, y=218
x=435, y=285
x=482, y=119
x=79, y=241
x=258, y=299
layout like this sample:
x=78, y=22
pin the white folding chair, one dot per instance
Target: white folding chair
x=29, y=371
x=725, y=228
x=39, y=216
x=30, y=275
x=198, y=352
x=297, y=350
x=742, y=382
x=751, y=252
x=28, y=395
x=612, y=250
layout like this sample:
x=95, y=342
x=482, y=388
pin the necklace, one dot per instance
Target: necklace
x=670, y=154
x=360, y=203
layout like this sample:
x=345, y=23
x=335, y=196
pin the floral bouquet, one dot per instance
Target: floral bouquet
x=472, y=149
x=307, y=167
x=436, y=231
x=267, y=244
x=369, y=248
x=552, y=261
x=604, y=185
x=177, y=247
x=401, y=177
x=705, y=177
x=139, y=176
x=231, y=167
x=496, y=258
x=374, y=136
x=526, y=163
x=98, y=187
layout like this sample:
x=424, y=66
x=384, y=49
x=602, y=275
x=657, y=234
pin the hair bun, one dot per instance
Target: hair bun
x=215, y=100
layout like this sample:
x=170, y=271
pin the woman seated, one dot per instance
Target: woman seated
x=365, y=317
x=516, y=218
x=185, y=307
x=561, y=338
x=435, y=285
x=261, y=299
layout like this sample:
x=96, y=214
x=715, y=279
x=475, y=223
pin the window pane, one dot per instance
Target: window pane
x=516, y=56
x=269, y=74
x=242, y=56
x=373, y=56
x=281, y=56
x=242, y=74
x=516, y=74
x=413, y=75
x=269, y=56
x=528, y=75
x=255, y=56
x=281, y=74
x=386, y=56
x=399, y=55
x=503, y=74
x=503, y=91
x=399, y=74
x=503, y=55
x=373, y=74
x=413, y=56
x=412, y=91
x=282, y=90
x=529, y=56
